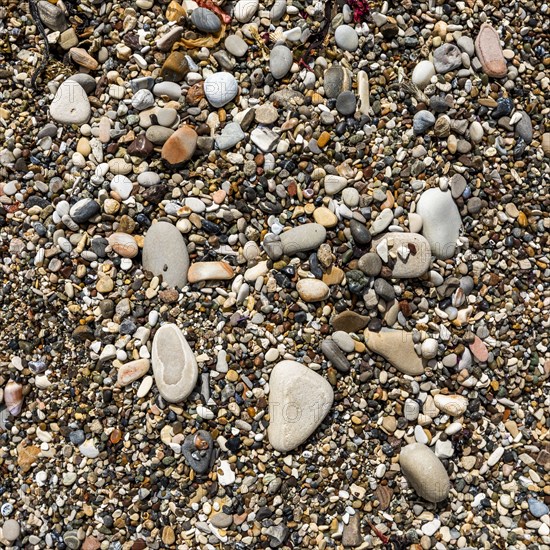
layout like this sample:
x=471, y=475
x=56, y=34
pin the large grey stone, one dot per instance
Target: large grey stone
x=174, y=364
x=165, y=253
x=299, y=400
x=425, y=472
x=411, y=254
x=302, y=238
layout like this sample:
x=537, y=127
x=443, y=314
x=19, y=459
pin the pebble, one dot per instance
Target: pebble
x=180, y=146
x=441, y=222
x=425, y=472
x=312, y=290
x=453, y=405
x=70, y=104
x=489, y=52
x=302, y=238
x=244, y=10
x=132, y=371
x=174, y=365
x=235, y=45
x=165, y=253
x=423, y=73
x=411, y=253
x=346, y=37
x=299, y=400
x=11, y=530
x=220, y=89
x=280, y=61
x=447, y=58
x=209, y=271
x=205, y=20
x=397, y=347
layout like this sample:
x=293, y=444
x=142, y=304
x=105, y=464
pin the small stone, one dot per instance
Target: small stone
x=312, y=290
x=124, y=245
x=351, y=534
x=425, y=472
x=361, y=235
x=346, y=103
x=441, y=221
x=336, y=80
x=174, y=364
x=370, y=264
x=350, y=321
x=423, y=73
x=299, y=400
x=70, y=104
x=197, y=450
x=244, y=10
x=334, y=354
x=453, y=405
x=11, y=530
x=165, y=253
x=429, y=348
x=325, y=217
x=280, y=61
x=334, y=184
x=423, y=121
x=143, y=99
x=303, y=238
x=83, y=210
x=345, y=342
x=132, y=371
x=537, y=508
x=210, y=271
x=346, y=37
x=447, y=58
x=180, y=146
x=206, y=20
x=264, y=138
x=412, y=254
x=174, y=68
x=220, y=88
x=397, y=347
x=168, y=536
x=489, y=52
x=235, y=45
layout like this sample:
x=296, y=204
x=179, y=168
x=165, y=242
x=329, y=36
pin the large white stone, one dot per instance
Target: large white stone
x=174, y=364
x=397, y=347
x=299, y=400
x=441, y=221
x=411, y=253
x=70, y=104
x=425, y=472
x=220, y=89
x=422, y=73
x=165, y=253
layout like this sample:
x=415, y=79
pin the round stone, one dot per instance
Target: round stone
x=346, y=103
x=346, y=37
x=280, y=61
x=11, y=530
x=206, y=20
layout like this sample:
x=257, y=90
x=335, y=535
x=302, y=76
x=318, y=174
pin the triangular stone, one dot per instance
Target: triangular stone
x=299, y=400
x=397, y=347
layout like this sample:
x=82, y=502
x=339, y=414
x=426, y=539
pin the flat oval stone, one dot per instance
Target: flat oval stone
x=346, y=37
x=411, y=252
x=280, y=61
x=70, y=104
x=206, y=20
x=132, y=371
x=165, y=253
x=210, y=271
x=489, y=52
x=302, y=238
x=425, y=472
x=299, y=400
x=180, y=146
x=124, y=245
x=174, y=364
x=441, y=221
x=220, y=89
x=423, y=73
x=244, y=10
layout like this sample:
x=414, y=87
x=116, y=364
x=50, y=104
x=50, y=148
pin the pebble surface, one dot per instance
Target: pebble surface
x=275, y=275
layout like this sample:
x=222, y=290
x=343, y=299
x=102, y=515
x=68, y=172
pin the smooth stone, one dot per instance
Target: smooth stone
x=334, y=184
x=132, y=371
x=349, y=321
x=360, y=233
x=489, y=52
x=165, y=253
x=299, y=400
x=277, y=11
x=235, y=45
x=466, y=44
x=86, y=81
x=351, y=533
x=210, y=271
x=230, y=136
x=170, y=89
x=397, y=347
x=441, y=221
x=83, y=210
x=382, y=221
x=537, y=508
x=457, y=184
x=417, y=259
x=453, y=405
x=52, y=16
x=280, y=61
x=312, y=290
x=123, y=244
x=423, y=73
x=70, y=104
x=423, y=121
x=122, y=186
x=175, y=68
x=336, y=80
x=174, y=364
x=447, y=58
x=524, y=127
x=166, y=116
x=384, y=290
x=424, y=472
x=221, y=520
x=244, y=10
x=206, y=20
x=143, y=99
x=11, y=530
x=370, y=264
x=344, y=340
x=197, y=449
x=346, y=103
x=415, y=222
x=302, y=238
x=335, y=355
x=351, y=197
x=220, y=88
x=266, y=114
x=325, y=217
x=429, y=348
x=346, y=37
x=479, y=349
x=159, y=135
x=180, y=146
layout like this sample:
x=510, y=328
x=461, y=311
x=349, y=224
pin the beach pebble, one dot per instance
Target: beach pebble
x=346, y=37
x=70, y=104
x=220, y=89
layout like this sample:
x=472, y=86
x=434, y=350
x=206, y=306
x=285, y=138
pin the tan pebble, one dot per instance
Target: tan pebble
x=232, y=375
x=124, y=245
x=168, y=535
x=333, y=276
x=104, y=284
x=324, y=138
x=325, y=217
x=83, y=146
x=312, y=290
x=132, y=371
